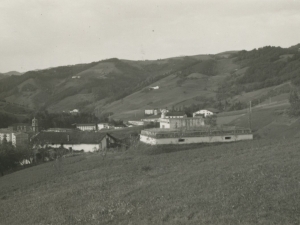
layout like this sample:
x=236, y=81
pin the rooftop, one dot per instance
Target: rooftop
x=69, y=137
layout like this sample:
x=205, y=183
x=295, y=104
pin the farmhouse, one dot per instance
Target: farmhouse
x=22, y=127
x=74, y=111
x=86, y=141
x=86, y=126
x=151, y=111
x=102, y=126
x=180, y=123
x=205, y=135
x=154, y=88
x=205, y=112
x=16, y=138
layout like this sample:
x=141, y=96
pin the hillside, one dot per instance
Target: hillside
x=255, y=182
x=227, y=81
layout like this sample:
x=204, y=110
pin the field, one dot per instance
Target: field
x=254, y=182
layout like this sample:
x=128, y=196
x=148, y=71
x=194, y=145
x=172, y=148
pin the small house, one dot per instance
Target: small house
x=205, y=112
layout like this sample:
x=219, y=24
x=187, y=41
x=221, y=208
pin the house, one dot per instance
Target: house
x=20, y=139
x=205, y=112
x=102, y=126
x=151, y=111
x=157, y=136
x=154, y=88
x=86, y=141
x=16, y=138
x=181, y=123
x=74, y=111
x=5, y=134
x=21, y=127
x=87, y=126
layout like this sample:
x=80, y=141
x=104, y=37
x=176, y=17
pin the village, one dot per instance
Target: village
x=158, y=127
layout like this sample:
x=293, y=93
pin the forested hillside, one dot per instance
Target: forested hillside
x=120, y=86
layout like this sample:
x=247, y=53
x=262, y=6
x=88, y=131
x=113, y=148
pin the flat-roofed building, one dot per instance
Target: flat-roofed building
x=158, y=136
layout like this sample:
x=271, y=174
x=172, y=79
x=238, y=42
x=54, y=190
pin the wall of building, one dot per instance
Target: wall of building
x=78, y=147
x=191, y=140
x=86, y=128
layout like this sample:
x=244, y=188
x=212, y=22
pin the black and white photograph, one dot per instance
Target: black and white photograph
x=150, y=112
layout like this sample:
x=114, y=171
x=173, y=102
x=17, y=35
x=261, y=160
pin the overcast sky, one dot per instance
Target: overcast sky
x=37, y=34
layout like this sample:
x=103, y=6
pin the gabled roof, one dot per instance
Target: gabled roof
x=69, y=137
x=175, y=113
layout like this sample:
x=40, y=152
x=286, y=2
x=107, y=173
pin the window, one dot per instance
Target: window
x=180, y=140
x=227, y=138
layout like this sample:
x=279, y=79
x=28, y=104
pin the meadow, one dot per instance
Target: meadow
x=252, y=182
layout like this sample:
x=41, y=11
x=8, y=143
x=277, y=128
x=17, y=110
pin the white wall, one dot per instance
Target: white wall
x=164, y=125
x=203, y=112
x=190, y=140
x=79, y=147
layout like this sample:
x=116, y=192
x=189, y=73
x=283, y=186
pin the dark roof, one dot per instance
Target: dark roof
x=74, y=137
x=175, y=113
x=86, y=124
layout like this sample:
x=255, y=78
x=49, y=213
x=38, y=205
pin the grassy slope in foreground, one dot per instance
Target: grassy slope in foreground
x=254, y=182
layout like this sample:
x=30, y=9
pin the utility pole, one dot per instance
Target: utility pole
x=250, y=119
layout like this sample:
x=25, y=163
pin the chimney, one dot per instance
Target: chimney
x=68, y=137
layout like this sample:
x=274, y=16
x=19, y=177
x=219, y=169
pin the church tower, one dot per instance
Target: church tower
x=35, y=125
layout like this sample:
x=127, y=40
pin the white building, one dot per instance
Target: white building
x=154, y=88
x=102, y=126
x=151, y=111
x=86, y=127
x=175, y=136
x=79, y=141
x=74, y=111
x=205, y=112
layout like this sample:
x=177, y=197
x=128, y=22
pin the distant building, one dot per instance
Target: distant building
x=22, y=127
x=19, y=139
x=5, y=134
x=151, y=111
x=80, y=141
x=75, y=77
x=154, y=88
x=56, y=129
x=181, y=123
x=87, y=126
x=159, y=136
x=74, y=111
x=205, y=112
x=102, y=126
x=16, y=138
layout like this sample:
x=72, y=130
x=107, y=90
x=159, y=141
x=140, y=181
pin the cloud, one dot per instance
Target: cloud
x=39, y=34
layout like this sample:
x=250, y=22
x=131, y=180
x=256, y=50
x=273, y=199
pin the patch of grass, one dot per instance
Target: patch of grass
x=253, y=182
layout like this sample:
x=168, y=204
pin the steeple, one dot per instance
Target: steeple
x=35, y=125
